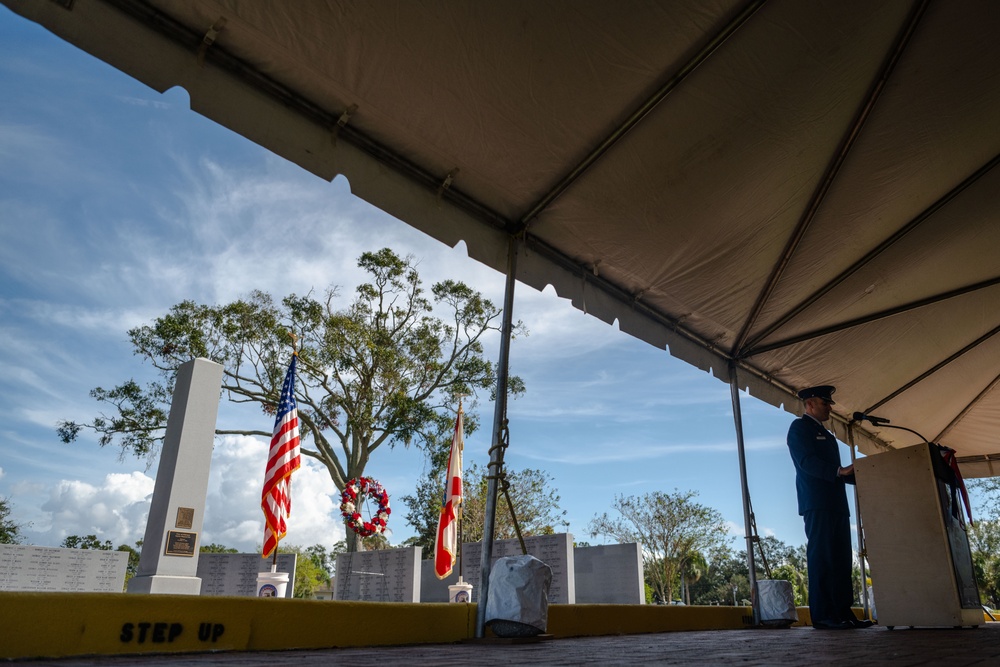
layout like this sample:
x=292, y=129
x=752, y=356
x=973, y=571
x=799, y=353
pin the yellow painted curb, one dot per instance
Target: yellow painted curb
x=61, y=624
x=582, y=620
x=37, y=625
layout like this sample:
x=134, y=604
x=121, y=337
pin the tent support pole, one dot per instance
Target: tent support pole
x=747, y=518
x=862, y=553
x=495, y=466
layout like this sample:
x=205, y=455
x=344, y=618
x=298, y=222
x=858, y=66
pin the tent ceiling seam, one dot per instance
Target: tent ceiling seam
x=978, y=458
x=832, y=171
x=872, y=317
x=639, y=114
x=925, y=215
x=979, y=341
x=968, y=408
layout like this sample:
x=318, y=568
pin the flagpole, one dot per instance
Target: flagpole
x=287, y=482
x=277, y=543
x=461, y=505
x=448, y=542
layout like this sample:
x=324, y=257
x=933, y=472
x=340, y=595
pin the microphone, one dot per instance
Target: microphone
x=876, y=421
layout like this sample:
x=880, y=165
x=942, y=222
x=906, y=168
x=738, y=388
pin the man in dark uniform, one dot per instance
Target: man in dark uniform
x=822, y=496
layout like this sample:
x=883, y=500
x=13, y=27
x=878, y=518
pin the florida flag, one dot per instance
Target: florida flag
x=446, y=544
x=282, y=460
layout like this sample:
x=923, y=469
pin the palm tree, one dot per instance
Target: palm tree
x=693, y=565
x=798, y=579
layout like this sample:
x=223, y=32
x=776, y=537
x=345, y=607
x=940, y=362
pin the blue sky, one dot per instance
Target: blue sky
x=117, y=202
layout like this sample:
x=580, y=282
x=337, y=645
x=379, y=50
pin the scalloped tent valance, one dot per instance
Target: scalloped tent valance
x=803, y=189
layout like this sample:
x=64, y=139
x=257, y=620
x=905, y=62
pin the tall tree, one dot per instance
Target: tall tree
x=310, y=569
x=86, y=542
x=726, y=580
x=535, y=500
x=671, y=529
x=132, y=565
x=984, y=539
x=786, y=562
x=323, y=558
x=691, y=571
x=424, y=504
x=379, y=371
x=10, y=530
x=986, y=490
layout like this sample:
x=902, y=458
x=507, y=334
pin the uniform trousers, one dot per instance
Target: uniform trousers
x=829, y=559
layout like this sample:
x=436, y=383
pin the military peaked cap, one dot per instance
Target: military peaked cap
x=824, y=391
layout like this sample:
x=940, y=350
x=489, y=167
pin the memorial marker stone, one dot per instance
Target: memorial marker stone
x=169, y=559
x=385, y=575
x=556, y=551
x=236, y=574
x=609, y=574
x=433, y=589
x=603, y=574
x=28, y=568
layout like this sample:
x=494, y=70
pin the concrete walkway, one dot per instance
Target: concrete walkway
x=792, y=646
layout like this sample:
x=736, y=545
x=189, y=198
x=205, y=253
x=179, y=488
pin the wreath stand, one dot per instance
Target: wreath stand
x=354, y=493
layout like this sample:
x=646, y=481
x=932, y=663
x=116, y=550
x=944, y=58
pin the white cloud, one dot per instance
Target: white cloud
x=140, y=102
x=95, y=321
x=116, y=510
x=233, y=516
x=735, y=529
x=20, y=139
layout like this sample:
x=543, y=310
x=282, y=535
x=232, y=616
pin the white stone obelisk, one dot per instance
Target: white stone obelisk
x=169, y=559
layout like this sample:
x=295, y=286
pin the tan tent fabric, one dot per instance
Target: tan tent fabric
x=804, y=189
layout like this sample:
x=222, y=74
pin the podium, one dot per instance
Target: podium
x=921, y=564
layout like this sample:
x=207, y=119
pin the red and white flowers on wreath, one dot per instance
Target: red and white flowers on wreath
x=357, y=491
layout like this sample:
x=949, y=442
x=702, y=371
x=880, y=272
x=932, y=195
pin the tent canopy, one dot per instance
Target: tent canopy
x=802, y=190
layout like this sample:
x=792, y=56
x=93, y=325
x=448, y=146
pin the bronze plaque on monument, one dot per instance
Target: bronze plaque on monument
x=180, y=544
x=185, y=517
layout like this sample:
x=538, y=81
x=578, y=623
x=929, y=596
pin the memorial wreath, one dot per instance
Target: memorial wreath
x=356, y=492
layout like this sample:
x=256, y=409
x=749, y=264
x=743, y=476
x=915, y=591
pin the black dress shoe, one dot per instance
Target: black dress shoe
x=861, y=624
x=833, y=625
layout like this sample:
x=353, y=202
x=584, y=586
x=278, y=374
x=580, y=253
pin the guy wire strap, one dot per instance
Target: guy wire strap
x=760, y=545
x=504, y=483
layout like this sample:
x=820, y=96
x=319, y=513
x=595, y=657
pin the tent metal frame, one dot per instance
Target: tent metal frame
x=499, y=444
x=748, y=343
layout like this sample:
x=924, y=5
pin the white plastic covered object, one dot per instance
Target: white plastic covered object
x=777, y=602
x=519, y=594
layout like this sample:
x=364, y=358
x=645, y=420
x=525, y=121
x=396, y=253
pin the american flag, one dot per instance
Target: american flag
x=282, y=460
x=446, y=544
